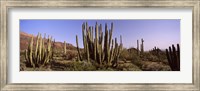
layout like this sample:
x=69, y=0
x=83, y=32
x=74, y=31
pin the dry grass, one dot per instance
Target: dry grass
x=72, y=66
x=130, y=61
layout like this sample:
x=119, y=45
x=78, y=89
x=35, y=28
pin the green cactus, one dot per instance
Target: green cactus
x=53, y=49
x=30, y=52
x=40, y=55
x=98, y=47
x=79, y=53
x=173, y=56
x=138, y=49
x=142, y=46
x=40, y=49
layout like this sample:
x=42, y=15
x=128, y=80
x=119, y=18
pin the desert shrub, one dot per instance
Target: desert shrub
x=152, y=66
x=153, y=58
x=129, y=54
x=70, y=54
x=125, y=54
x=160, y=55
x=135, y=57
x=72, y=66
x=106, y=69
x=147, y=56
x=155, y=66
x=163, y=57
x=22, y=66
x=165, y=61
x=138, y=63
x=128, y=67
x=83, y=66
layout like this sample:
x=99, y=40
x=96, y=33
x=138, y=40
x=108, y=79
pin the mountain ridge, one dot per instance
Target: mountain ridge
x=25, y=37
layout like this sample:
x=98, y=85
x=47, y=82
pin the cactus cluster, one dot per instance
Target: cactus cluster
x=99, y=47
x=155, y=51
x=39, y=56
x=173, y=56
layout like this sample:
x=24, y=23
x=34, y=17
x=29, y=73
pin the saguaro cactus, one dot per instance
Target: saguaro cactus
x=142, y=46
x=173, y=56
x=100, y=48
x=40, y=55
x=79, y=54
x=138, y=49
x=29, y=53
x=53, y=49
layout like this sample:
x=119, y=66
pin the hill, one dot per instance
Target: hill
x=25, y=37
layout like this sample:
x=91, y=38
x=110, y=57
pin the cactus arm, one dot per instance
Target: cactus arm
x=169, y=58
x=175, y=61
x=26, y=55
x=88, y=53
x=36, y=50
x=83, y=35
x=40, y=49
x=79, y=54
x=110, y=34
x=111, y=54
x=173, y=57
x=31, y=53
x=178, y=55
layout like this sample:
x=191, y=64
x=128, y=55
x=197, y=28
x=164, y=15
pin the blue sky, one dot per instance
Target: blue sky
x=160, y=33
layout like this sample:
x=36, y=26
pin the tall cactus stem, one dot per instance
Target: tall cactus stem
x=79, y=53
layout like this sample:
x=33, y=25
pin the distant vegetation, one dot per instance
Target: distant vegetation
x=101, y=52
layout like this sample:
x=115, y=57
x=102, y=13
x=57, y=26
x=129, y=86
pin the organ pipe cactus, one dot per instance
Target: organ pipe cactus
x=98, y=47
x=53, y=49
x=29, y=53
x=79, y=54
x=38, y=56
x=155, y=51
x=173, y=56
x=142, y=45
x=138, y=50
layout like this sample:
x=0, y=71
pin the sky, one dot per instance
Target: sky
x=160, y=33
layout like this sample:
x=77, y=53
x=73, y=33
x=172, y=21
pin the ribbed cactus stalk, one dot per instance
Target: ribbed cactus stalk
x=142, y=46
x=53, y=49
x=79, y=53
x=173, y=56
x=112, y=52
x=26, y=55
x=35, y=57
x=96, y=42
x=99, y=47
x=106, y=43
x=84, y=38
x=138, y=49
x=40, y=55
x=43, y=48
x=30, y=53
x=88, y=53
x=40, y=49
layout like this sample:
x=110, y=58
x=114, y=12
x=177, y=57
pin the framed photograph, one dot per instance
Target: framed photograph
x=99, y=45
